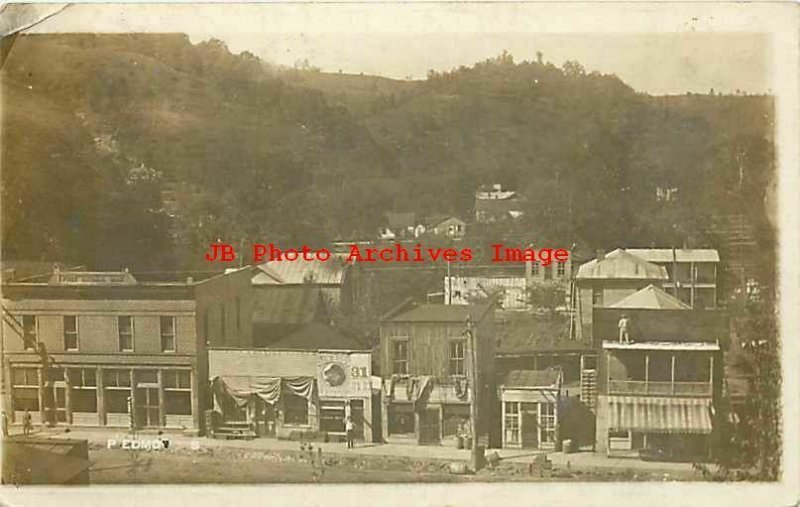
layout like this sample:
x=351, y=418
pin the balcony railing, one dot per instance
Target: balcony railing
x=643, y=388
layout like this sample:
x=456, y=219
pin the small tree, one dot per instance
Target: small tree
x=548, y=297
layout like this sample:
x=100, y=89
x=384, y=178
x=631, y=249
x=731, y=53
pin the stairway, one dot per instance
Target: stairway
x=589, y=388
x=234, y=430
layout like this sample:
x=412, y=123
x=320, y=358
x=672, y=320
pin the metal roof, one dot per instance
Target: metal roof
x=527, y=334
x=531, y=378
x=621, y=265
x=660, y=255
x=442, y=313
x=330, y=272
x=652, y=298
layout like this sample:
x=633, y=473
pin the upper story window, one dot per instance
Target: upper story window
x=167, y=326
x=29, y=330
x=535, y=268
x=70, y=332
x=125, y=329
x=561, y=269
x=400, y=357
x=457, y=354
x=597, y=296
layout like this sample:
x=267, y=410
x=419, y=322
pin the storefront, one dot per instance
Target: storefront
x=288, y=392
x=530, y=402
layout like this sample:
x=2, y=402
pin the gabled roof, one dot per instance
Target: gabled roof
x=621, y=265
x=330, y=272
x=531, y=378
x=651, y=298
x=286, y=305
x=681, y=254
x=318, y=336
x=442, y=313
x=438, y=219
x=526, y=334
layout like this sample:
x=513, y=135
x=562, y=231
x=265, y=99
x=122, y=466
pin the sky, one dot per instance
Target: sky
x=654, y=51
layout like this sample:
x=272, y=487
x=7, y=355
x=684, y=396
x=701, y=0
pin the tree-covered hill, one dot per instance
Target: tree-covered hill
x=97, y=129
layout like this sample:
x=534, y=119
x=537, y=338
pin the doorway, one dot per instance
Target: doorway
x=147, y=409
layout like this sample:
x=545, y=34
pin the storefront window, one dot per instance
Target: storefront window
x=25, y=389
x=401, y=419
x=295, y=409
x=332, y=415
x=547, y=422
x=83, y=383
x=512, y=422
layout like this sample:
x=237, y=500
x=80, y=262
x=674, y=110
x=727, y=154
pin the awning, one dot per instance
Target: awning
x=659, y=415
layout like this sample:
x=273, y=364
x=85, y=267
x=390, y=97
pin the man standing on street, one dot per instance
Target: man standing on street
x=27, y=423
x=349, y=427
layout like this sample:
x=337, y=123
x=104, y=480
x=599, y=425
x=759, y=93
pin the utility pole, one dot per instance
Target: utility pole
x=473, y=405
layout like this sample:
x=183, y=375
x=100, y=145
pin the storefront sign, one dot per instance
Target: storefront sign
x=342, y=374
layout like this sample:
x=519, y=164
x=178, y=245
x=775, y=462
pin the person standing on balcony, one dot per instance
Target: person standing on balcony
x=624, y=329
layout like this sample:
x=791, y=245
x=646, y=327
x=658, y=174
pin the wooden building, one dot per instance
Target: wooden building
x=531, y=406
x=80, y=346
x=656, y=394
x=426, y=362
x=302, y=386
x=692, y=273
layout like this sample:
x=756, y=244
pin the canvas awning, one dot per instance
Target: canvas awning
x=237, y=390
x=659, y=415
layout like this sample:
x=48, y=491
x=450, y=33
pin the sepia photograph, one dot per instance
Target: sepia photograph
x=542, y=247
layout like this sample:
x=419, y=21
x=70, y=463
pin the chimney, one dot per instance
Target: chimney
x=601, y=254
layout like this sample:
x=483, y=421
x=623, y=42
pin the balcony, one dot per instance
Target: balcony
x=643, y=388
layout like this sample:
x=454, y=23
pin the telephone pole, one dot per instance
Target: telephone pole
x=473, y=405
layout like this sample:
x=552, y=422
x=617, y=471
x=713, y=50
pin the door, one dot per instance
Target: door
x=357, y=413
x=530, y=426
x=429, y=427
x=147, y=411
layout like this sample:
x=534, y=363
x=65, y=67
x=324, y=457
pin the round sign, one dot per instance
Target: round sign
x=334, y=374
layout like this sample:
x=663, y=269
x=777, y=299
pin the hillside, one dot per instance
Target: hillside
x=96, y=128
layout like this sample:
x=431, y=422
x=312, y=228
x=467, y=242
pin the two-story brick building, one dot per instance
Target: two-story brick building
x=82, y=348
x=426, y=361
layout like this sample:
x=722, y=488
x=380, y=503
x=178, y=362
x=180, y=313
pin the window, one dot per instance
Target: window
x=145, y=376
x=70, y=332
x=177, y=392
x=401, y=418
x=332, y=414
x=295, y=409
x=117, y=385
x=25, y=389
x=125, y=328
x=167, y=334
x=548, y=272
x=29, y=331
x=547, y=422
x=512, y=422
x=83, y=383
x=535, y=268
x=400, y=357
x=561, y=269
x=597, y=296
x=457, y=353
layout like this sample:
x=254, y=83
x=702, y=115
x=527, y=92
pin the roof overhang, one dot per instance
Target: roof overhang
x=685, y=346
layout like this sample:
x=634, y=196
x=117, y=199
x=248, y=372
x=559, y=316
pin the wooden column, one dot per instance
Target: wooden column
x=646, y=368
x=132, y=414
x=41, y=375
x=711, y=373
x=503, y=423
x=68, y=394
x=162, y=413
x=672, y=374
x=196, y=415
x=101, y=397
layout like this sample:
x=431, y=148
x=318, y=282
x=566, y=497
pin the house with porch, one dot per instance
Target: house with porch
x=657, y=390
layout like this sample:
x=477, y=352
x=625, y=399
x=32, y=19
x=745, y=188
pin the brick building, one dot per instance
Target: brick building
x=79, y=347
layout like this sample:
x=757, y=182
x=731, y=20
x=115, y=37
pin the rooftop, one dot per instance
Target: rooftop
x=441, y=313
x=623, y=265
x=660, y=255
x=317, y=336
x=330, y=272
x=525, y=333
x=531, y=378
x=687, y=346
x=651, y=298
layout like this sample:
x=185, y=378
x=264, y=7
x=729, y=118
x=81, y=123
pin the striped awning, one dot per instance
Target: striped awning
x=659, y=415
